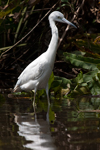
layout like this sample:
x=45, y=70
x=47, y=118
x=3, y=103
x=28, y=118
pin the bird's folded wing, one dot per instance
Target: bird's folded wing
x=31, y=73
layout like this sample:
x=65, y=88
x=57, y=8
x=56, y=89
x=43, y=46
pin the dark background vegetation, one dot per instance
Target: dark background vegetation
x=18, y=18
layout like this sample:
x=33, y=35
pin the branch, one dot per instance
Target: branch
x=67, y=28
x=29, y=31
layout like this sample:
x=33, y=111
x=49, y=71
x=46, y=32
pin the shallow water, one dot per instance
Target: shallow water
x=64, y=126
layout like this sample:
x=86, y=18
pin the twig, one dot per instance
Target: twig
x=20, y=56
x=96, y=111
x=20, y=23
x=29, y=31
x=98, y=96
x=67, y=28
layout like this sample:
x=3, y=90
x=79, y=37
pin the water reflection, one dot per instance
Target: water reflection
x=36, y=131
x=78, y=130
x=74, y=126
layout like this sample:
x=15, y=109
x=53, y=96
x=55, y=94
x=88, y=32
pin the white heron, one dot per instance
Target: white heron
x=36, y=75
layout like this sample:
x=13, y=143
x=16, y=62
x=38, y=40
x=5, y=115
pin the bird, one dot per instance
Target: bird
x=36, y=75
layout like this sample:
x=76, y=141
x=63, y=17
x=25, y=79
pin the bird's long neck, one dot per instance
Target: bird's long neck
x=51, y=51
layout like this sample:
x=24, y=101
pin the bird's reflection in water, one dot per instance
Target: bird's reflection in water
x=36, y=131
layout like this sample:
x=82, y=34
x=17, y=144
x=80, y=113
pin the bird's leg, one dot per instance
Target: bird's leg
x=34, y=101
x=33, y=98
x=47, y=116
x=35, y=90
x=32, y=94
x=47, y=92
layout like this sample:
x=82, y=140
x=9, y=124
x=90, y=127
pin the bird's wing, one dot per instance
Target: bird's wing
x=32, y=72
x=31, y=65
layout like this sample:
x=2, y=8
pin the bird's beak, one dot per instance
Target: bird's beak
x=68, y=22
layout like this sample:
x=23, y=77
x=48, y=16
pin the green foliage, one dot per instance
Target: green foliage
x=85, y=84
x=82, y=61
x=42, y=105
x=9, y=7
x=41, y=92
x=51, y=115
x=51, y=79
x=60, y=81
x=58, y=84
x=89, y=45
x=14, y=19
x=64, y=1
x=87, y=58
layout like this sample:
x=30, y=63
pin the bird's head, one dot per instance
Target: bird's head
x=59, y=17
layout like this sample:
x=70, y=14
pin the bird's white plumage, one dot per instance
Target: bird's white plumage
x=37, y=71
x=36, y=75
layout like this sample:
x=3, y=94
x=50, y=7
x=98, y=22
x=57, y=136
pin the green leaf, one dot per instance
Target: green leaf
x=61, y=81
x=42, y=105
x=89, y=45
x=51, y=79
x=51, y=115
x=64, y=1
x=80, y=91
x=79, y=78
x=58, y=84
x=11, y=6
x=81, y=61
x=88, y=83
x=94, y=88
x=40, y=93
x=88, y=77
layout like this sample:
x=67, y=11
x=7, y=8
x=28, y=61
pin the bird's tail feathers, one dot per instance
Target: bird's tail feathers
x=16, y=89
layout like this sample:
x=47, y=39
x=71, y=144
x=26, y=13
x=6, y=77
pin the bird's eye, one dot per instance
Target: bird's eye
x=59, y=17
